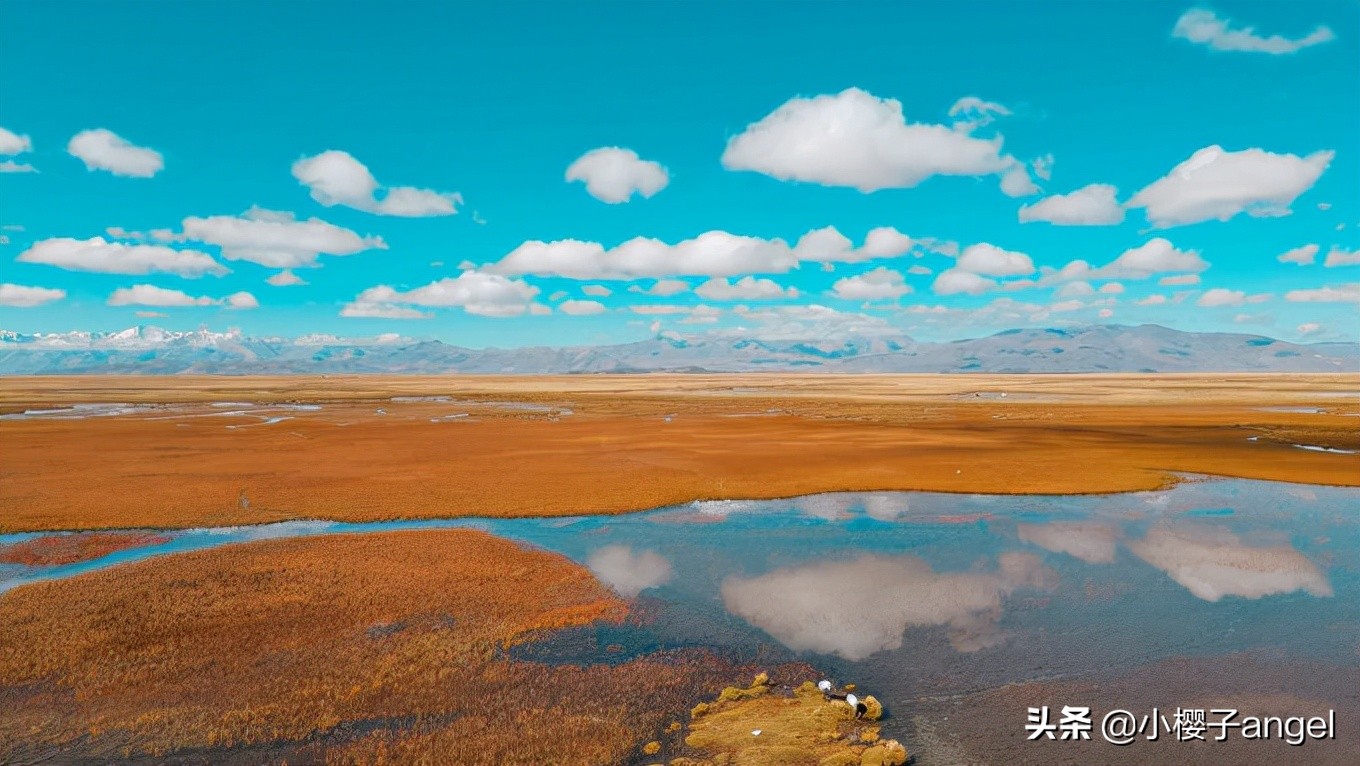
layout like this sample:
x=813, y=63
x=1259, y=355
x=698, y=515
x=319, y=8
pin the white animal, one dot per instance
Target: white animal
x=825, y=686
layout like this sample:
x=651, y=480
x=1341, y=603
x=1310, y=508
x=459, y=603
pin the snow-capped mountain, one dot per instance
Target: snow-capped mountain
x=1097, y=348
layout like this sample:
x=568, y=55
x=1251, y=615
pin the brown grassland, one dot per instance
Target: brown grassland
x=54, y=550
x=378, y=648
x=540, y=446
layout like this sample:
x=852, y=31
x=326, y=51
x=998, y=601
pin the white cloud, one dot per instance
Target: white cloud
x=1093, y=205
x=1309, y=328
x=1220, y=296
x=973, y=111
x=101, y=256
x=23, y=296
x=828, y=245
x=954, y=281
x=715, y=253
x=990, y=260
x=1213, y=563
x=359, y=310
x=1303, y=256
x=1348, y=293
x=1338, y=256
x=285, y=278
x=1179, y=280
x=1204, y=27
x=473, y=291
x=102, y=149
x=822, y=607
x=337, y=178
x=628, y=572
x=240, y=300
x=662, y=288
x=598, y=291
x=1042, y=166
x=1112, y=288
x=881, y=283
x=151, y=295
x=919, y=270
x=581, y=308
x=613, y=174
x=1156, y=256
x=277, y=239
x=1152, y=300
x=10, y=166
x=150, y=314
x=858, y=140
x=747, y=288
x=12, y=143
x=1214, y=184
x=1105, y=313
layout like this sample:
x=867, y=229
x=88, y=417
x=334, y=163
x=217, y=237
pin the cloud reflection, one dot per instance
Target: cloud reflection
x=629, y=573
x=1212, y=563
x=860, y=607
x=1093, y=543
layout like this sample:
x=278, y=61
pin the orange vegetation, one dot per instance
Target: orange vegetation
x=759, y=726
x=349, y=648
x=53, y=550
x=634, y=442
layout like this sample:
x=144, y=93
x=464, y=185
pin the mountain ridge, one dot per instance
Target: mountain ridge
x=1092, y=348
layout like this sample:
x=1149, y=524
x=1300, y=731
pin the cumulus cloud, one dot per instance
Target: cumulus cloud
x=1204, y=27
x=628, y=572
x=23, y=296
x=1303, y=255
x=1309, y=328
x=337, y=178
x=151, y=295
x=613, y=174
x=1348, y=293
x=1338, y=256
x=712, y=254
x=1179, y=280
x=881, y=283
x=1093, y=205
x=662, y=288
x=1220, y=296
x=1213, y=563
x=858, y=608
x=1156, y=256
x=1214, y=184
x=856, y=139
x=12, y=143
x=990, y=260
x=277, y=239
x=10, y=166
x=597, y=291
x=101, y=256
x=285, y=278
x=581, y=308
x=747, y=288
x=715, y=253
x=102, y=149
x=473, y=291
x=953, y=281
x=1152, y=300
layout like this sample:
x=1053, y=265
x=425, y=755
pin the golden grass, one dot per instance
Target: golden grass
x=635, y=442
x=798, y=729
x=54, y=550
x=379, y=648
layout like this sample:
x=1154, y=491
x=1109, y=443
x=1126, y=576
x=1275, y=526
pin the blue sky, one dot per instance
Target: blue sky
x=1227, y=131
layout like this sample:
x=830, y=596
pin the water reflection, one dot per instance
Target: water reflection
x=860, y=607
x=1212, y=562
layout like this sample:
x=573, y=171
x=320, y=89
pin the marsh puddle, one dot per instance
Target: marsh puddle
x=940, y=603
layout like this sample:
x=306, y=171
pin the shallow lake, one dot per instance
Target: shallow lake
x=961, y=611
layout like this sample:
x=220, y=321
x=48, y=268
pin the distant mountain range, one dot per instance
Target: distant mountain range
x=1097, y=348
